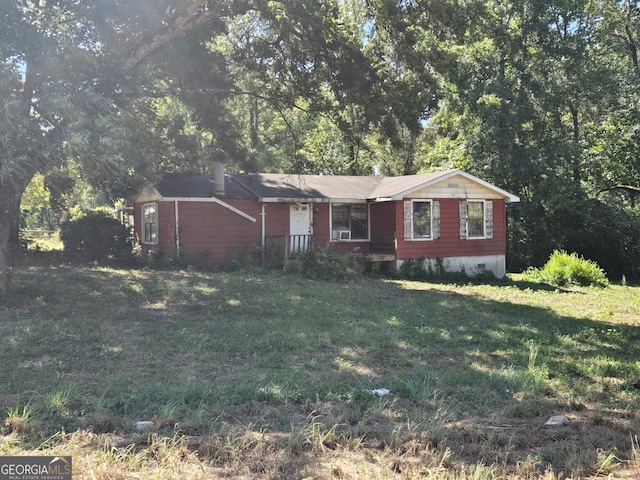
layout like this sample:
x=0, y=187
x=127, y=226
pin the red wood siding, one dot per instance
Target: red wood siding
x=214, y=233
x=277, y=219
x=450, y=244
x=210, y=231
x=166, y=227
x=351, y=247
x=207, y=230
x=166, y=222
x=321, y=227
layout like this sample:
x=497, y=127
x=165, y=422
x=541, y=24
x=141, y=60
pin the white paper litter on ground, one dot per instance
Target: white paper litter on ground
x=381, y=392
x=144, y=425
x=557, y=420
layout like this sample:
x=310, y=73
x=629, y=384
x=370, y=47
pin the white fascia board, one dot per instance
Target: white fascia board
x=211, y=200
x=311, y=200
x=291, y=200
x=347, y=200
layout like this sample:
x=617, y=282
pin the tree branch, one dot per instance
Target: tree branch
x=195, y=14
x=626, y=188
x=273, y=100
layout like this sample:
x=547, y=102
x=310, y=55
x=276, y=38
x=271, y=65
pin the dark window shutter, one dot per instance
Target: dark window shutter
x=435, y=220
x=408, y=220
x=488, y=219
x=463, y=218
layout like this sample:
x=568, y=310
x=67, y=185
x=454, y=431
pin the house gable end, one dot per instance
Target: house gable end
x=148, y=195
x=460, y=185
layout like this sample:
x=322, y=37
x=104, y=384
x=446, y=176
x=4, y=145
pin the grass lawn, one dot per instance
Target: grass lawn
x=266, y=375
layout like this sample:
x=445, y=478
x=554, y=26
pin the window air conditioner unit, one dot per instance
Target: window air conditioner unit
x=344, y=234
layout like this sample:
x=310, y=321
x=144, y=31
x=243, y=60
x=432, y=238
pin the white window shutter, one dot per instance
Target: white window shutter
x=488, y=219
x=435, y=219
x=464, y=212
x=408, y=220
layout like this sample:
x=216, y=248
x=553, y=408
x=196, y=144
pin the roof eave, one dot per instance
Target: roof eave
x=310, y=200
x=291, y=200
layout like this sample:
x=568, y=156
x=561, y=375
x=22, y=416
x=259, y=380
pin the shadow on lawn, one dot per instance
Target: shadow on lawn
x=498, y=365
x=504, y=333
x=475, y=374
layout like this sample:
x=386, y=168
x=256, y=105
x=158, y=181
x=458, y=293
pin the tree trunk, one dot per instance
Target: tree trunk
x=353, y=160
x=575, y=122
x=10, y=195
x=254, y=124
x=633, y=49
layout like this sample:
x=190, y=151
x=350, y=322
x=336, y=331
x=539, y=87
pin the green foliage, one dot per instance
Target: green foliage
x=174, y=260
x=95, y=237
x=515, y=92
x=569, y=269
x=605, y=232
x=422, y=269
x=35, y=206
x=327, y=265
x=253, y=257
x=553, y=121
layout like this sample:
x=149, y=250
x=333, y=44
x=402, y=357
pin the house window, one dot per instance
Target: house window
x=476, y=219
x=150, y=223
x=350, y=221
x=421, y=219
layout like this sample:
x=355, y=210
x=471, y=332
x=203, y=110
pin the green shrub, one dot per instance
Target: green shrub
x=423, y=269
x=429, y=270
x=95, y=237
x=327, y=265
x=569, y=269
x=174, y=260
x=252, y=257
x=605, y=233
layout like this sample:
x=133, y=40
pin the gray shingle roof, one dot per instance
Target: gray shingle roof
x=183, y=185
x=276, y=187
x=319, y=187
x=292, y=186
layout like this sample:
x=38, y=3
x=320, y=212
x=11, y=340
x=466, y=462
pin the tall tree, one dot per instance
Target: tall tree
x=525, y=105
x=107, y=83
x=369, y=67
x=68, y=69
x=614, y=141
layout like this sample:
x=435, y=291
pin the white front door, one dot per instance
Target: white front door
x=299, y=224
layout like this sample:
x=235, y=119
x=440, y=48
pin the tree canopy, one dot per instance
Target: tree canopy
x=541, y=99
